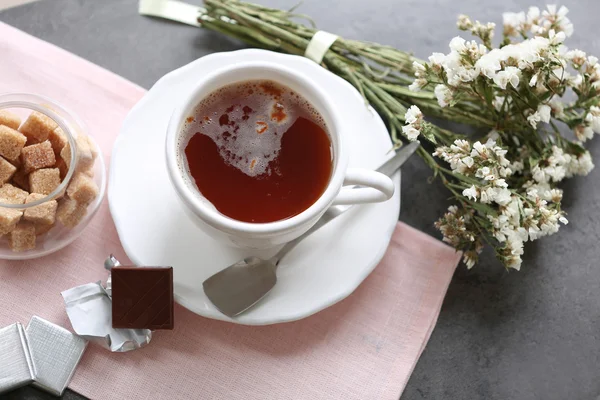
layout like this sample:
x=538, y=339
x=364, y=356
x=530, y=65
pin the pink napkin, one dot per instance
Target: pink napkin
x=364, y=347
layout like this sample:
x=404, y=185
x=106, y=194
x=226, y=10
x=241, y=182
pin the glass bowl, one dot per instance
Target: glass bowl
x=57, y=235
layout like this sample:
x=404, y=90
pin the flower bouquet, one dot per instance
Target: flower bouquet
x=531, y=102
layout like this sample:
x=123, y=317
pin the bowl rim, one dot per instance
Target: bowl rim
x=36, y=103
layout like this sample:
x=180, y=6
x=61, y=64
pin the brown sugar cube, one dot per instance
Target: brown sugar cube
x=11, y=142
x=45, y=213
x=89, y=172
x=82, y=189
x=41, y=229
x=70, y=213
x=21, y=179
x=83, y=150
x=9, y=217
x=22, y=238
x=62, y=167
x=37, y=127
x=44, y=181
x=38, y=156
x=12, y=195
x=17, y=162
x=58, y=140
x=92, y=146
x=9, y=119
x=7, y=170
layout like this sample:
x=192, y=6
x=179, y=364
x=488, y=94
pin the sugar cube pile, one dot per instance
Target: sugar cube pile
x=35, y=157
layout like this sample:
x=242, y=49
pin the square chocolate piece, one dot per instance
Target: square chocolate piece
x=142, y=297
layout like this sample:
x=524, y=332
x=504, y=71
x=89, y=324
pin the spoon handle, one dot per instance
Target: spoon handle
x=330, y=214
x=389, y=168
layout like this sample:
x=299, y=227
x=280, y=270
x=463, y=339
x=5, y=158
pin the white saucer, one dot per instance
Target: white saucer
x=155, y=230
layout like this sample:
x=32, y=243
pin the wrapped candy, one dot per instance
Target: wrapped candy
x=89, y=308
x=16, y=365
x=56, y=352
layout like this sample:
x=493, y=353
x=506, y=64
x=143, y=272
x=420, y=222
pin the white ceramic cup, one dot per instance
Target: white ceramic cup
x=374, y=186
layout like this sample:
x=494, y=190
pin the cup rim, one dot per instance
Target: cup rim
x=210, y=214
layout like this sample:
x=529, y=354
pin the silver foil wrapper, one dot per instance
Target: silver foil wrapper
x=56, y=352
x=16, y=366
x=89, y=308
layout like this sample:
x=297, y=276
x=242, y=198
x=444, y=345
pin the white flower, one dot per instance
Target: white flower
x=577, y=57
x=575, y=81
x=464, y=22
x=470, y=193
x=538, y=174
x=463, y=74
x=468, y=161
x=419, y=69
x=514, y=262
x=557, y=19
x=461, y=145
x=557, y=107
x=483, y=30
x=541, y=115
x=533, y=80
x=533, y=15
x=413, y=115
x=513, y=23
x=558, y=157
x=556, y=174
x=500, y=196
x=533, y=119
x=414, y=120
x=581, y=165
x=500, y=183
x=534, y=233
x=457, y=44
x=555, y=168
x=525, y=53
x=469, y=260
x=458, y=63
x=593, y=118
x=443, y=94
x=478, y=149
x=555, y=195
x=544, y=111
x=411, y=132
x=508, y=75
x=437, y=60
x=489, y=64
x=487, y=196
x=583, y=133
x=556, y=38
x=417, y=85
x=485, y=173
x=503, y=196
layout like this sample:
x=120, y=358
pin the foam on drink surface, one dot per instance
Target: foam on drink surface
x=247, y=121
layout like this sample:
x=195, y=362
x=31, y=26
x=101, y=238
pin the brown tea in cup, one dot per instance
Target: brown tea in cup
x=258, y=151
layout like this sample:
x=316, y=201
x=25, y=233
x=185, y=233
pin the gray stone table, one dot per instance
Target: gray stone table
x=520, y=335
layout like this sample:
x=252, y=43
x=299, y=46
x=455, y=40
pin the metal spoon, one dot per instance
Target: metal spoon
x=241, y=285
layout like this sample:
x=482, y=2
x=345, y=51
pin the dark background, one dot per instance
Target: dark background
x=520, y=335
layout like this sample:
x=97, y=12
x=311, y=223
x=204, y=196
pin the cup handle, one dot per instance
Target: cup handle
x=377, y=187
